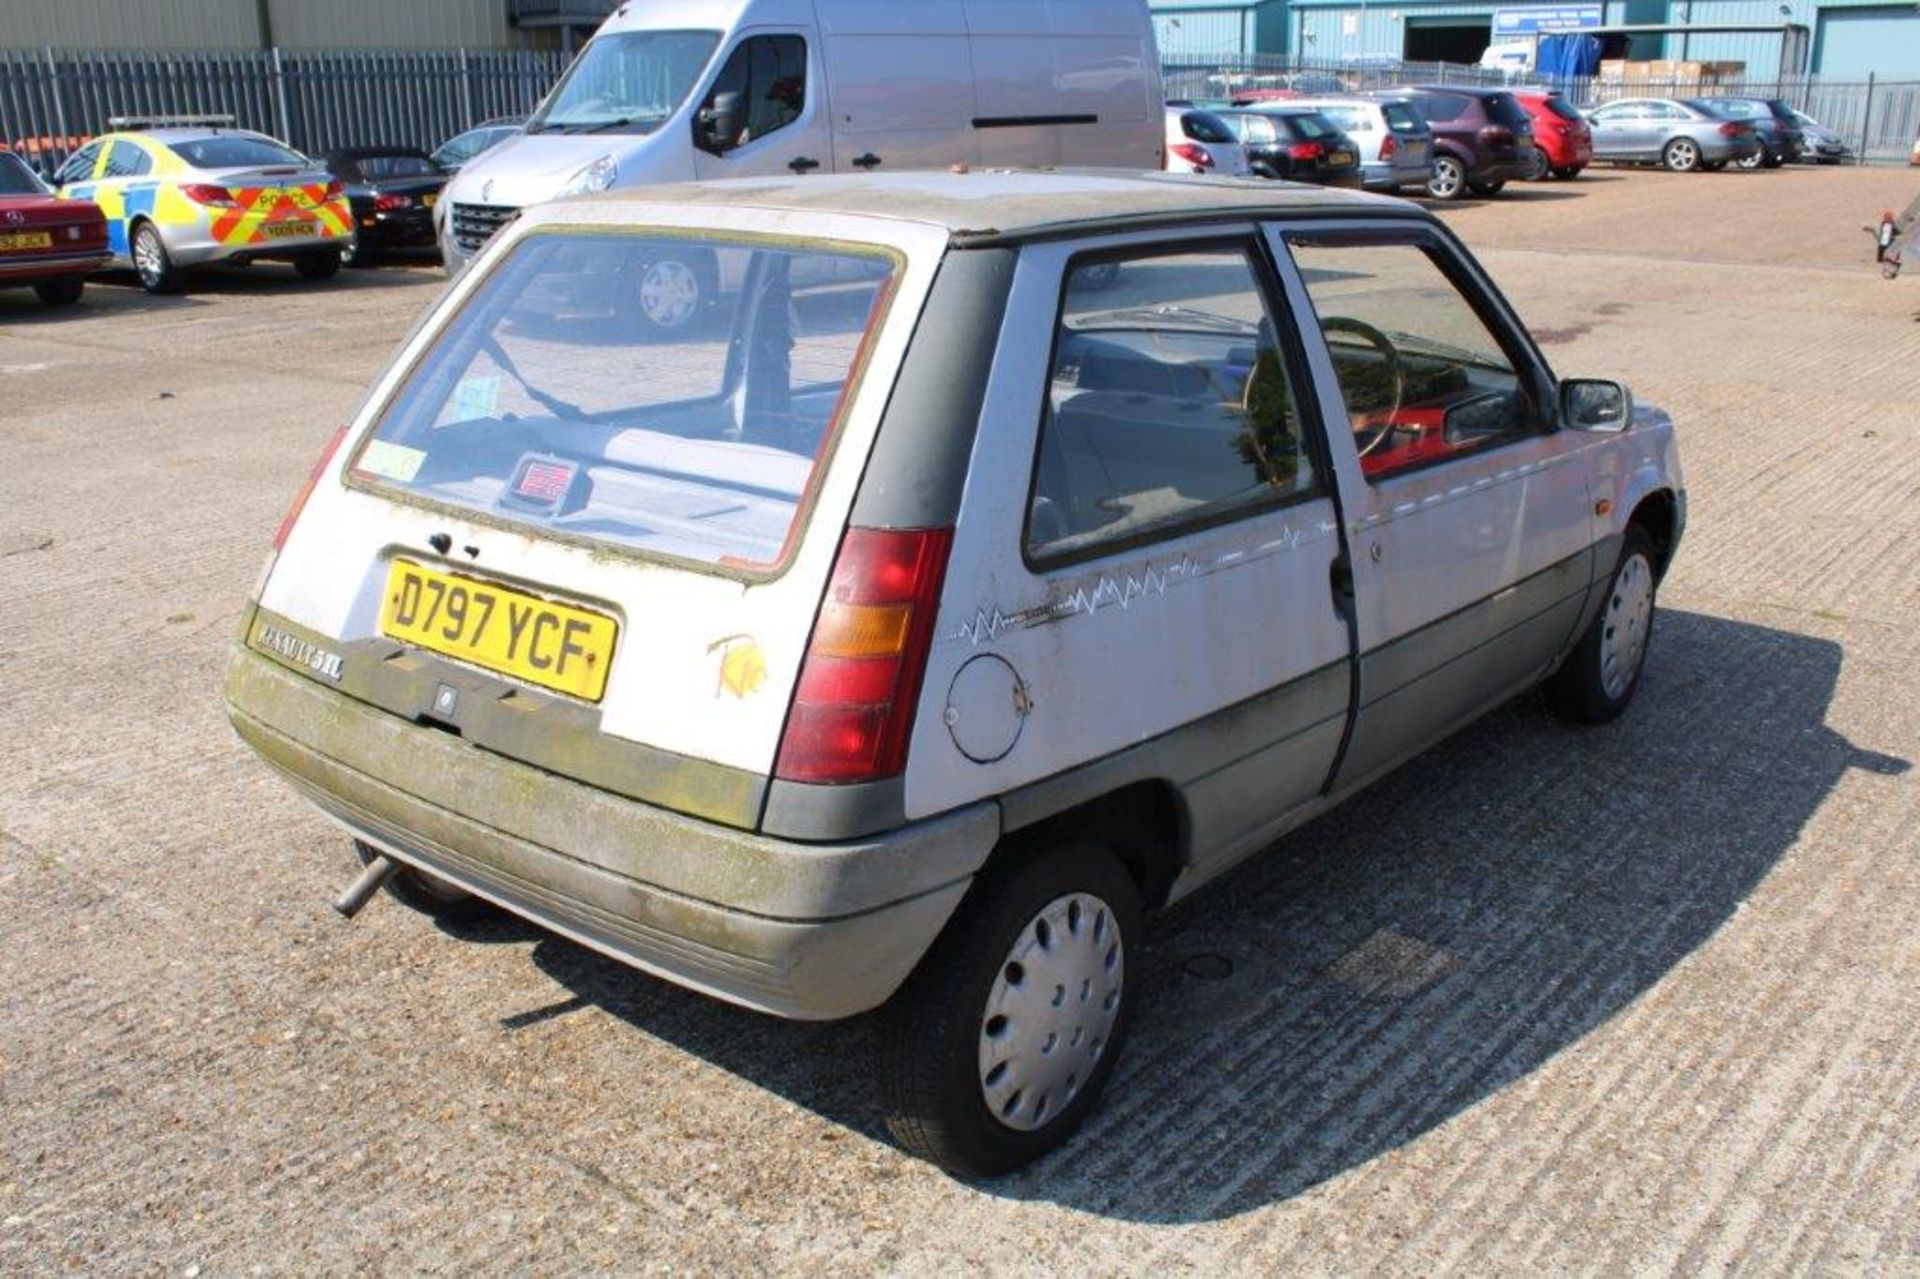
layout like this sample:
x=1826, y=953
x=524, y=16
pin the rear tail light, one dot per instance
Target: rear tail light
x=1306, y=150
x=1730, y=130
x=306, y=490
x=207, y=193
x=1198, y=156
x=388, y=203
x=1497, y=135
x=334, y=189
x=853, y=707
x=1389, y=147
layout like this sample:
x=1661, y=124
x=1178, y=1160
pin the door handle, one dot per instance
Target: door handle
x=867, y=161
x=801, y=164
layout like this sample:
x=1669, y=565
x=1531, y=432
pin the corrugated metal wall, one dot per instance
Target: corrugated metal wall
x=1349, y=31
x=1202, y=31
x=235, y=24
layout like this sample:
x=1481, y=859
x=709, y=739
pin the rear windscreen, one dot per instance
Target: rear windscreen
x=1504, y=108
x=1403, y=117
x=379, y=168
x=581, y=391
x=1311, y=127
x=1351, y=119
x=1564, y=109
x=1203, y=126
x=235, y=153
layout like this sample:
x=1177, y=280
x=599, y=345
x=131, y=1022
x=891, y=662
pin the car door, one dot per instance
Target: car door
x=1466, y=508
x=1139, y=584
x=763, y=113
x=1615, y=130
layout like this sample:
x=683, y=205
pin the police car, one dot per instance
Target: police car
x=184, y=192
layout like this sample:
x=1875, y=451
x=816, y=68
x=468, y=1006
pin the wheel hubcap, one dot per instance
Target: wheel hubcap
x=1684, y=155
x=1446, y=178
x=146, y=255
x=1050, y=1015
x=1624, y=641
x=669, y=293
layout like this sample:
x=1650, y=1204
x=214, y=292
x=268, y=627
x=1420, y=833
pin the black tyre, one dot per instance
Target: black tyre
x=1539, y=168
x=1681, y=155
x=431, y=895
x=1449, y=178
x=998, y=1046
x=1754, y=161
x=1772, y=160
x=318, y=266
x=1712, y=166
x=1599, y=677
x=359, y=255
x=156, y=268
x=1569, y=172
x=1487, y=188
x=60, y=292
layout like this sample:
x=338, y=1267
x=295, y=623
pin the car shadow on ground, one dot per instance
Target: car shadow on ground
x=1438, y=937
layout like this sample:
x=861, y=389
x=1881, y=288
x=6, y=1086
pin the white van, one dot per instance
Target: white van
x=694, y=90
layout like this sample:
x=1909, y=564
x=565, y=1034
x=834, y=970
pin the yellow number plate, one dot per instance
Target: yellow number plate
x=27, y=240
x=429, y=199
x=287, y=230
x=556, y=646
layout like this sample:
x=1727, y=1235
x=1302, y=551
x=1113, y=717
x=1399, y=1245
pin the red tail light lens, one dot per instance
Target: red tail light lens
x=853, y=707
x=1496, y=134
x=306, y=490
x=1729, y=130
x=1389, y=146
x=334, y=189
x=1194, y=154
x=1306, y=150
x=207, y=193
x=388, y=203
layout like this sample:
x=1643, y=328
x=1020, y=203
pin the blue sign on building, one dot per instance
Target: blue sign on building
x=1527, y=19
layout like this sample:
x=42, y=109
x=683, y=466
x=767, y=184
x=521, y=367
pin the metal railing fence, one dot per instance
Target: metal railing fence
x=50, y=100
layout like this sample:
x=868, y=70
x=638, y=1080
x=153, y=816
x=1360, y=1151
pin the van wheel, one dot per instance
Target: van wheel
x=1598, y=678
x=673, y=293
x=1448, y=180
x=155, y=265
x=431, y=895
x=998, y=1046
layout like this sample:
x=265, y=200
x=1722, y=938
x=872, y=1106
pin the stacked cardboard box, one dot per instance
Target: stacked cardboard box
x=1670, y=74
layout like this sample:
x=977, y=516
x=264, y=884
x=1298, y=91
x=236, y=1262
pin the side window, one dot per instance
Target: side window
x=1441, y=108
x=1424, y=378
x=79, y=165
x=127, y=161
x=762, y=88
x=1169, y=403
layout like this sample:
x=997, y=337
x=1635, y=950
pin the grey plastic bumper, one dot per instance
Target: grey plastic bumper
x=800, y=930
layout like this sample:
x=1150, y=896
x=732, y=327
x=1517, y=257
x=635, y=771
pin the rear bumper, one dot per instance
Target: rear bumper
x=53, y=267
x=800, y=930
x=1387, y=175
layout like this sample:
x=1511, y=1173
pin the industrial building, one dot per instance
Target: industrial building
x=1850, y=39
x=300, y=24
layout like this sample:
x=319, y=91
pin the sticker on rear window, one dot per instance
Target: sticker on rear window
x=473, y=399
x=392, y=461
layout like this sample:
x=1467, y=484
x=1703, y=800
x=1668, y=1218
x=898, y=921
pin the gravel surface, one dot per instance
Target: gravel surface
x=1643, y=998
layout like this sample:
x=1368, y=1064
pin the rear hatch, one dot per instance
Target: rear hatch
x=268, y=205
x=580, y=544
x=1509, y=131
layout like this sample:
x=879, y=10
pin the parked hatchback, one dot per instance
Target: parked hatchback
x=908, y=638
x=1395, y=143
x=1562, y=140
x=1823, y=145
x=1781, y=139
x=1482, y=138
x=1201, y=142
x=392, y=191
x=1680, y=136
x=1297, y=144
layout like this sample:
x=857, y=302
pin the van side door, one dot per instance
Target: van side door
x=1139, y=588
x=1467, y=507
x=764, y=114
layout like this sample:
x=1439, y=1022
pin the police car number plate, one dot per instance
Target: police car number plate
x=553, y=645
x=287, y=230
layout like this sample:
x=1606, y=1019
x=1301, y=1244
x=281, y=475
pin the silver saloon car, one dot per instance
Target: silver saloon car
x=1674, y=134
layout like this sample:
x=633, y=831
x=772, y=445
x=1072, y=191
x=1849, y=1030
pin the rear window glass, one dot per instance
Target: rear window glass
x=1351, y=119
x=1311, y=126
x=235, y=153
x=1402, y=117
x=16, y=178
x=1204, y=127
x=1504, y=108
x=1564, y=109
x=378, y=168
x=550, y=401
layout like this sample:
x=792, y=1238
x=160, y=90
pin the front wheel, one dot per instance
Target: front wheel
x=1681, y=155
x=60, y=292
x=318, y=266
x=998, y=1046
x=1448, y=180
x=673, y=294
x=1598, y=678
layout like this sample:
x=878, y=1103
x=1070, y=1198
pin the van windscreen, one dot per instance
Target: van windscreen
x=578, y=392
x=625, y=82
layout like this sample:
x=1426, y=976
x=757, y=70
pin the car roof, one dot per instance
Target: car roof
x=1003, y=205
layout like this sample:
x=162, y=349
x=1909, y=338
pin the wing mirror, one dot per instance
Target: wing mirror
x=1595, y=404
x=721, y=121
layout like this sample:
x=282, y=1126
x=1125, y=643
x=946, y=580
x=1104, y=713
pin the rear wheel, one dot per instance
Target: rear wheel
x=1754, y=161
x=1771, y=159
x=1449, y=178
x=429, y=894
x=998, y=1046
x=1712, y=166
x=155, y=265
x=359, y=255
x=1598, y=678
x=1568, y=173
x=1487, y=188
x=318, y=266
x=1681, y=155
x=1538, y=167
x=60, y=292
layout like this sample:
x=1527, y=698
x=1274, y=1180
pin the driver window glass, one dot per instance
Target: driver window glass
x=770, y=75
x=1169, y=404
x=1424, y=379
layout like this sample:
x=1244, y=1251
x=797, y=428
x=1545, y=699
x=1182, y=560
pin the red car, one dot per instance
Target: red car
x=45, y=243
x=1560, y=134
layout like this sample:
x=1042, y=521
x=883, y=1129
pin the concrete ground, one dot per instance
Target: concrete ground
x=1645, y=998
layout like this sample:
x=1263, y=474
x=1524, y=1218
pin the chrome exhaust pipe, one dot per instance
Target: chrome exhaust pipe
x=372, y=880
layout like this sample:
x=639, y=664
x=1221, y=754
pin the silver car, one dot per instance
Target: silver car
x=1665, y=131
x=1395, y=140
x=1824, y=145
x=182, y=197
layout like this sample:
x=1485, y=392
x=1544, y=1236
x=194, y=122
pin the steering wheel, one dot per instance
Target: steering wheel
x=1369, y=438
